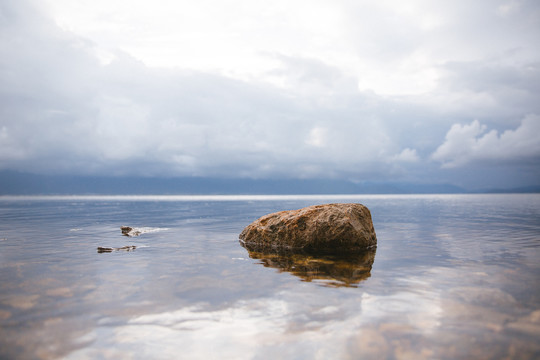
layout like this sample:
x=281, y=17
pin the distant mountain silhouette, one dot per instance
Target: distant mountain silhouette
x=16, y=183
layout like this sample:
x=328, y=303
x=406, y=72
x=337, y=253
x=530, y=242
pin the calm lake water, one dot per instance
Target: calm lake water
x=453, y=277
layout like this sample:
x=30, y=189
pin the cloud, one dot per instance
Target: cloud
x=506, y=9
x=317, y=137
x=407, y=155
x=71, y=112
x=359, y=102
x=492, y=88
x=471, y=143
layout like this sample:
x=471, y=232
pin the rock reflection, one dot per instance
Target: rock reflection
x=330, y=269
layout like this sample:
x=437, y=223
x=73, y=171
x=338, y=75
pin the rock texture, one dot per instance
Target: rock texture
x=330, y=228
x=102, y=249
x=129, y=231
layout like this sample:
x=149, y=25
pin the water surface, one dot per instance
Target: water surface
x=453, y=276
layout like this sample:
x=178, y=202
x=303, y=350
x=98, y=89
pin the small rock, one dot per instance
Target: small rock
x=125, y=229
x=330, y=228
x=102, y=249
x=129, y=231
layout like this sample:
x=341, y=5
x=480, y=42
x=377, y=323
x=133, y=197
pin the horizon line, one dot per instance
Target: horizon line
x=239, y=197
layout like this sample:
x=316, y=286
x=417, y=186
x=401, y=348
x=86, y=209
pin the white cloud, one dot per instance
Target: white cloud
x=317, y=137
x=359, y=38
x=470, y=143
x=508, y=8
x=407, y=155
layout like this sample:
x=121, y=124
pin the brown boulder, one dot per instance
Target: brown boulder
x=330, y=228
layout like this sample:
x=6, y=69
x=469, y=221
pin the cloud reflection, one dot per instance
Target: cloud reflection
x=286, y=325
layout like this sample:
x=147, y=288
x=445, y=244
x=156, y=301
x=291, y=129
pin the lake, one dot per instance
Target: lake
x=452, y=277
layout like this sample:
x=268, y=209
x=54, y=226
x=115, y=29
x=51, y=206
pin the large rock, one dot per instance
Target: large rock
x=330, y=228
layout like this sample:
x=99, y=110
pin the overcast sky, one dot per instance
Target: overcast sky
x=388, y=90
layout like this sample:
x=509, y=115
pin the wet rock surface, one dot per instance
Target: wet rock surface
x=329, y=228
x=103, y=249
x=129, y=231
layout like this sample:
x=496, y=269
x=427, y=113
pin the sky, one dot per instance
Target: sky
x=417, y=91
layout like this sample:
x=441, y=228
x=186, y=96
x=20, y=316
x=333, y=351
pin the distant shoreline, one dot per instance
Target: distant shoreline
x=229, y=197
x=16, y=183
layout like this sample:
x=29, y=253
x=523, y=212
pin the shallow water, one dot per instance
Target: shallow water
x=453, y=276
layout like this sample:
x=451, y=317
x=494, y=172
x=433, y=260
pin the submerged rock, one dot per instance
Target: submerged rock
x=102, y=249
x=330, y=228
